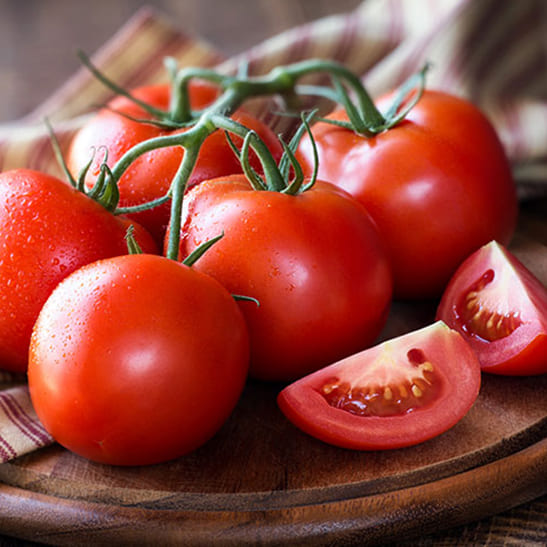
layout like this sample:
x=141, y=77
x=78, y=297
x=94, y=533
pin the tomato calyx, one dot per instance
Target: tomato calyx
x=133, y=248
x=158, y=116
x=277, y=178
x=105, y=190
x=363, y=116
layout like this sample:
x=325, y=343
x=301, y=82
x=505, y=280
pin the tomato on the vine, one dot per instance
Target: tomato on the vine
x=124, y=124
x=313, y=261
x=438, y=185
x=137, y=360
x=500, y=308
x=47, y=230
x=400, y=393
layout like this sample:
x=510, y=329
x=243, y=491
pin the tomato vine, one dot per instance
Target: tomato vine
x=364, y=116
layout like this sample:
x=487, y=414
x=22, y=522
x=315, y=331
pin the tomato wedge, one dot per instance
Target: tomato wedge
x=500, y=307
x=399, y=393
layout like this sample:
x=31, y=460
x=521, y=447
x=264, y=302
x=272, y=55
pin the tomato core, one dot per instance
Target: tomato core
x=404, y=387
x=477, y=317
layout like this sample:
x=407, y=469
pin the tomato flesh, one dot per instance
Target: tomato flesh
x=399, y=393
x=480, y=314
x=410, y=384
x=501, y=308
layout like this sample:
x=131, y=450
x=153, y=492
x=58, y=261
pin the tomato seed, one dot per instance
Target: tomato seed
x=480, y=321
x=381, y=400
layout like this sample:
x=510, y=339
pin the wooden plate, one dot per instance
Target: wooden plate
x=260, y=480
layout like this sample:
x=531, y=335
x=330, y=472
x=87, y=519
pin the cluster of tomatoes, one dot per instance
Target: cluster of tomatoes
x=137, y=358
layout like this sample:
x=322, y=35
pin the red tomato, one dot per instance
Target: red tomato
x=399, y=393
x=438, y=186
x=150, y=176
x=500, y=308
x=313, y=261
x=137, y=360
x=47, y=230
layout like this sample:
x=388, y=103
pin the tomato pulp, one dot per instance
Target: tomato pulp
x=500, y=307
x=400, y=393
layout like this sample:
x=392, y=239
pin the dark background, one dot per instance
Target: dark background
x=39, y=38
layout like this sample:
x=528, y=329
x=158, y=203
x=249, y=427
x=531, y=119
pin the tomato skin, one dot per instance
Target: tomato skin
x=513, y=303
x=313, y=261
x=149, y=177
x=47, y=230
x=457, y=383
x=137, y=360
x=438, y=185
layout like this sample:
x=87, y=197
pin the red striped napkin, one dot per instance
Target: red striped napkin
x=491, y=52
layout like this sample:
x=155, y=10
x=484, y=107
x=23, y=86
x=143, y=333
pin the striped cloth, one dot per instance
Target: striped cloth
x=492, y=52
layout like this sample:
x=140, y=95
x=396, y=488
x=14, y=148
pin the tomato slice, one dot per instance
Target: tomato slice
x=500, y=307
x=399, y=393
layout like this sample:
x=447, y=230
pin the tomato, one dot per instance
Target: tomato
x=500, y=308
x=149, y=176
x=137, y=360
x=313, y=261
x=47, y=230
x=438, y=185
x=400, y=393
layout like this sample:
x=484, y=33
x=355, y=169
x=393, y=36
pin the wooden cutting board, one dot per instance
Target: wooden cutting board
x=260, y=480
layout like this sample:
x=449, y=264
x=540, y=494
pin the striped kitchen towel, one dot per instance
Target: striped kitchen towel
x=492, y=52
x=20, y=429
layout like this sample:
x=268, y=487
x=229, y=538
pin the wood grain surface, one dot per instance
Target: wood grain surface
x=260, y=480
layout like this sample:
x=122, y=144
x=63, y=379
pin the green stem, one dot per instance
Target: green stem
x=273, y=177
x=165, y=141
x=334, y=69
x=133, y=248
x=200, y=250
x=178, y=188
x=158, y=113
x=281, y=80
x=143, y=206
x=179, y=108
x=58, y=153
